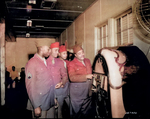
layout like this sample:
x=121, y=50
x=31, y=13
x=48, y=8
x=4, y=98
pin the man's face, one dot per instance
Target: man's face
x=45, y=50
x=63, y=55
x=54, y=52
x=80, y=55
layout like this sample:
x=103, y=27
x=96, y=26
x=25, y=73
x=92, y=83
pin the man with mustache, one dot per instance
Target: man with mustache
x=79, y=70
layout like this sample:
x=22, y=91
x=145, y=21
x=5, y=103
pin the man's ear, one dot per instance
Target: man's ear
x=39, y=49
x=50, y=50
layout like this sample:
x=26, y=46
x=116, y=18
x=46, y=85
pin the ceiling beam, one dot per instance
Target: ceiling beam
x=43, y=20
x=46, y=10
x=38, y=32
x=42, y=27
x=39, y=36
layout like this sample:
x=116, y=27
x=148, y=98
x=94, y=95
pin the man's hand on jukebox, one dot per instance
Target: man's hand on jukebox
x=89, y=76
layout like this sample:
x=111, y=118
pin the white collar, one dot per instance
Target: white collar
x=42, y=59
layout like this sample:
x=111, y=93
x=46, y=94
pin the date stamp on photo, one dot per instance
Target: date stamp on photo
x=131, y=112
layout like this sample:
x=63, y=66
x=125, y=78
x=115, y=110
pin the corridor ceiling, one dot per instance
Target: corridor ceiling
x=49, y=17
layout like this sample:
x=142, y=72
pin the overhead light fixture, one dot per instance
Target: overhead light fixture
x=49, y=4
x=29, y=23
x=27, y=35
x=32, y=1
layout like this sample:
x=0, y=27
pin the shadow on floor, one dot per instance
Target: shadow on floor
x=15, y=103
x=7, y=113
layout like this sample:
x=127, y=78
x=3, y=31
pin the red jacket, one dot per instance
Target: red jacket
x=77, y=71
x=79, y=86
x=59, y=72
x=39, y=83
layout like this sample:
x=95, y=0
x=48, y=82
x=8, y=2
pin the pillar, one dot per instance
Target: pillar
x=2, y=60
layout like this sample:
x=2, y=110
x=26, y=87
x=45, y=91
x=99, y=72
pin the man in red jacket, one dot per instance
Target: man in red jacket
x=63, y=55
x=59, y=75
x=80, y=70
x=39, y=82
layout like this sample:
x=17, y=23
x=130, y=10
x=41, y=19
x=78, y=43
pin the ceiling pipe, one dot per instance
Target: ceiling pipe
x=47, y=10
x=43, y=20
x=37, y=32
x=43, y=27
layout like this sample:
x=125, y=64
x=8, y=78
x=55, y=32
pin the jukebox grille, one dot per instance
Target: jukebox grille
x=143, y=13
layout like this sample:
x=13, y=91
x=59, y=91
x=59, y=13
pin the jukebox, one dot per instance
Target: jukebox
x=122, y=83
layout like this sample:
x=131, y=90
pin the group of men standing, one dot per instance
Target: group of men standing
x=50, y=81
